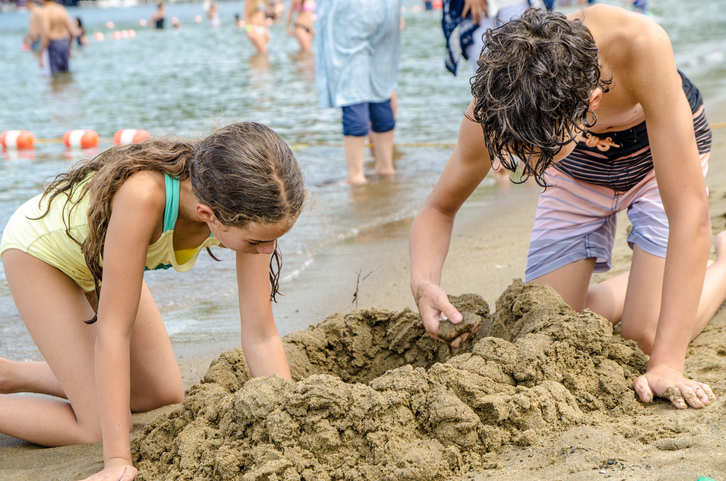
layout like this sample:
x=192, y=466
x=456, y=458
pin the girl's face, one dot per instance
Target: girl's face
x=254, y=238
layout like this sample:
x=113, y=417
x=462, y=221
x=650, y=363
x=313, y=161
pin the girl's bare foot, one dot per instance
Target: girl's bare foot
x=720, y=245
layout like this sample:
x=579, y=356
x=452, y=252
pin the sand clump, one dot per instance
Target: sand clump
x=375, y=397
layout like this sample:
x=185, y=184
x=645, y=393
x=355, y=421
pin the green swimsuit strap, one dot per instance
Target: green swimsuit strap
x=171, y=210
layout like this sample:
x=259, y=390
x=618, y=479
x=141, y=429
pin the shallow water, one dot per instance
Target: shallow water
x=191, y=80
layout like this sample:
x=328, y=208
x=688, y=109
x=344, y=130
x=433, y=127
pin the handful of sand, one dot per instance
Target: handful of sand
x=448, y=331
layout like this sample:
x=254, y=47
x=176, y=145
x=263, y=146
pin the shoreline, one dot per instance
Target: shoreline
x=487, y=251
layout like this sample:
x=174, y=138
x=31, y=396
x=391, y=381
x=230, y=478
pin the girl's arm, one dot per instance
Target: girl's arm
x=431, y=230
x=44, y=37
x=657, y=86
x=293, y=4
x=136, y=211
x=248, y=6
x=261, y=342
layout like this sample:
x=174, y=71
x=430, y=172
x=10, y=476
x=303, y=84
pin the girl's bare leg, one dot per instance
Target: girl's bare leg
x=67, y=344
x=35, y=377
x=155, y=377
x=56, y=325
x=150, y=345
x=259, y=41
x=304, y=39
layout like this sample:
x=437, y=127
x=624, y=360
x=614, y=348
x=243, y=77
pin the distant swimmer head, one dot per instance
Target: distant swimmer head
x=536, y=79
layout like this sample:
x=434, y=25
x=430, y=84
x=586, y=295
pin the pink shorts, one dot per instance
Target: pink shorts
x=577, y=220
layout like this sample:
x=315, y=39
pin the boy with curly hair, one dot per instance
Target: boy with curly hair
x=593, y=107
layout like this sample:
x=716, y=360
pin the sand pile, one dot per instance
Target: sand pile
x=376, y=398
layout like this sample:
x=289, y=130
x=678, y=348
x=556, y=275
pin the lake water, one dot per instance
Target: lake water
x=191, y=80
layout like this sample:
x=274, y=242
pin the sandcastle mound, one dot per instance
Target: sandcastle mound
x=376, y=398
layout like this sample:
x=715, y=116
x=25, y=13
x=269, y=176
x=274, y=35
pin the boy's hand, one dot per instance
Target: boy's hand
x=433, y=306
x=478, y=9
x=670, y=384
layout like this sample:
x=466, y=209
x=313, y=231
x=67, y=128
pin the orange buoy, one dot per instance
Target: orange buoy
x=80, y=138
x=130, y=136
x=17, y=139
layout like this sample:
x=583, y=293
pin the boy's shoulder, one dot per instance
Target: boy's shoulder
x=622, y=37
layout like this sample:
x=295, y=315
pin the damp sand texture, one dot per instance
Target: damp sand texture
x=374, y=397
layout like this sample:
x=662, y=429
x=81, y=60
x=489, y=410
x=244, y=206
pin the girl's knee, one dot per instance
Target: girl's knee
x=89, y=434
x=162, y=395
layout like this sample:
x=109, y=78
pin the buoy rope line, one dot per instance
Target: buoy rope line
x=127, y=136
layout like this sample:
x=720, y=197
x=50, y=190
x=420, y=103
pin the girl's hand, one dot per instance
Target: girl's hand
x=288, y=31
x=115, y=470
x=668, y=383
x=434, y=306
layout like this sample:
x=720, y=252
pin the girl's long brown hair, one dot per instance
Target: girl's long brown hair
x=244, y=172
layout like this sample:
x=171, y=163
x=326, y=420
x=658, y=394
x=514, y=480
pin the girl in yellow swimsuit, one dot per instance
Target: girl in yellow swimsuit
x=132, y=208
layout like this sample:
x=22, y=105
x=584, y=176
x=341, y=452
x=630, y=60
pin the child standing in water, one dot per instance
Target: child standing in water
x=75, y=257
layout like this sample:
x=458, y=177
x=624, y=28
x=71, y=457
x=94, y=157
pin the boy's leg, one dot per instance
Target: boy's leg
x=383, y=124
x=607, y=298
x=641, y=307
x=570, y=281
x=356, y=121
x=572, y=236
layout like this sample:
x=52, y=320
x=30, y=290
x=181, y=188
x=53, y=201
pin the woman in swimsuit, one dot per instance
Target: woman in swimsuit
x=256, y=24
x=133, y=208
x=303, y=26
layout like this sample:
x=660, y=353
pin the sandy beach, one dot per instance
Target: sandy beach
x=570, y=414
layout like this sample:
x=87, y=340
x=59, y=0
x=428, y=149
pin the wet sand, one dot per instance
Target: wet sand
x=548, y=398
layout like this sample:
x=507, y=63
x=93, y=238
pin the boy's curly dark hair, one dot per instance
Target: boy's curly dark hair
x=532, y=88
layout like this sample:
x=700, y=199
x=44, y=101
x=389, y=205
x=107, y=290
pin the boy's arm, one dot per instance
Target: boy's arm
x=657, y=86
x=261, y=342
x=431, y=229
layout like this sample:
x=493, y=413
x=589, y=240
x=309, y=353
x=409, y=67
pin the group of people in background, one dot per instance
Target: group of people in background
x=554, y=97
x=51, y=32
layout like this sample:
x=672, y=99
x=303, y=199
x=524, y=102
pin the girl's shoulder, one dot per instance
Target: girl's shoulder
x=144, y=190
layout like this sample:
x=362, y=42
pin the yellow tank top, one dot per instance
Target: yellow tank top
x=47, y=238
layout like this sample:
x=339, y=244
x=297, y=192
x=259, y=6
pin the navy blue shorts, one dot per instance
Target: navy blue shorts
x=359, y=118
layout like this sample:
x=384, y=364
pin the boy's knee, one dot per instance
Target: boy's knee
x=644, y=338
